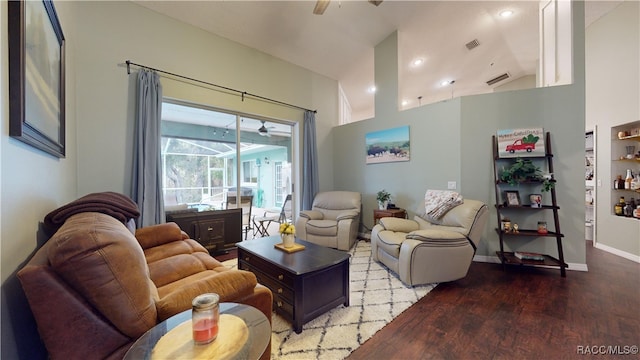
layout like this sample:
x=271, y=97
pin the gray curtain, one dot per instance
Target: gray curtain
x=147, y=167
x=310, y=181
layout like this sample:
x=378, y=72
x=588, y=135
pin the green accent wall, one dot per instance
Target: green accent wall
x=451, y=141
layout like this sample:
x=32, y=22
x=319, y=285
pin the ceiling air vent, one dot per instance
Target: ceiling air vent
x=472, y=44
x=498, y=79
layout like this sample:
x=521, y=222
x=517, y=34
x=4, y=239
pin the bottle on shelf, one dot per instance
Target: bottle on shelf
x=628, y=179
x=635, y=183
x=618, y=183
x=618, y=208
x=628, y=209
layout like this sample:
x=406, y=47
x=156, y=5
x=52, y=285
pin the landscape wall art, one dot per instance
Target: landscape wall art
x=389, y=145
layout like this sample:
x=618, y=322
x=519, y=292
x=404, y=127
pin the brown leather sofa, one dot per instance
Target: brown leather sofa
x=94, y=287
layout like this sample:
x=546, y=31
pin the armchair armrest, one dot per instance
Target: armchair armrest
x=230, y=285
x=154, y=235
x=435, y=234
x=398, y=224
x=311, y=214
x=349, y=214
x=72, y=319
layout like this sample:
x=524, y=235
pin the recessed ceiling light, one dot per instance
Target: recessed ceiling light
x=506, y=13
x=405, y=102
x=447, y=82
x=371, y=89
x=417, y=62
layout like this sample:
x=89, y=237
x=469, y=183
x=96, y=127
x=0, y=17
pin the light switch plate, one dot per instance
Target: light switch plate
x=451, y=185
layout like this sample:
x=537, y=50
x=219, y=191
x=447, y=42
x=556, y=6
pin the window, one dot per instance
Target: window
x=192, y=172
x=249, y=172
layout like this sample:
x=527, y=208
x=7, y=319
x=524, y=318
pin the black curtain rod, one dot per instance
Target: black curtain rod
x=242, y=93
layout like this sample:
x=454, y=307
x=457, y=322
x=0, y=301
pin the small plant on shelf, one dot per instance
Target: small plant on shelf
x=523, y=170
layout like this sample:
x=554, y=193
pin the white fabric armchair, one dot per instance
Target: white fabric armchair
x=333, y=220
x=423, y=252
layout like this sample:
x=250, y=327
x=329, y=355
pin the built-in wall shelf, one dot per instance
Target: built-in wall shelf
x=625, y=156
x=631, y=137
x=590, y=184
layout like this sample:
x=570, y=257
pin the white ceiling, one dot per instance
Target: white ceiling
x=340, y=43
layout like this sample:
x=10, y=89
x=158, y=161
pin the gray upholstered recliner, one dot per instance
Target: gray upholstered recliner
x=422, y=252
x=333, y=220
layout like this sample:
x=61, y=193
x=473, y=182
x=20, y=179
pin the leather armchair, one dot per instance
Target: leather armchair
x=94, y=287
x=333, y=220
x=424, y=252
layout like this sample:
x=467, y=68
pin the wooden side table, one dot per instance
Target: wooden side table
x=257, y=324
x=379, y=214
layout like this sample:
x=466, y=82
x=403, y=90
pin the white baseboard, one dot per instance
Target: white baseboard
x=617, y=252
x=495, y=260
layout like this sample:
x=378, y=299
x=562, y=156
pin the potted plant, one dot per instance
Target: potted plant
x=287, y=232
x=383, y=198
x=523, y=170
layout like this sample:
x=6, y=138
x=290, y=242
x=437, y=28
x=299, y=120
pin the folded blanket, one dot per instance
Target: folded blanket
x=110, y=203
x=438, y=202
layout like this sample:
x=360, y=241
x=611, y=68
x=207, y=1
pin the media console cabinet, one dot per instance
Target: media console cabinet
x=217, y=230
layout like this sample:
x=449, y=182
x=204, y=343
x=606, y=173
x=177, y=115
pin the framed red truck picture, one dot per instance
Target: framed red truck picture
x=521, y=142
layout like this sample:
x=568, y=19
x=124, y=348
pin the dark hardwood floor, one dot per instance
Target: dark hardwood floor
x=520, y=313
x=231, y=254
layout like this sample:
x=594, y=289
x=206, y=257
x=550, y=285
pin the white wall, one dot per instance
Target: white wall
x=612, y=93
x=555, y=23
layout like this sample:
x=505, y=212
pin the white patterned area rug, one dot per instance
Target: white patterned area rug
x=377, y=296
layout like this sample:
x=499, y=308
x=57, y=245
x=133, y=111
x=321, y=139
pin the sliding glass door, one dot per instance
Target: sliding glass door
x=209, y=155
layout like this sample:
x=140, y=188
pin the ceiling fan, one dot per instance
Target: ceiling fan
x=321, y=5
x=264, y=131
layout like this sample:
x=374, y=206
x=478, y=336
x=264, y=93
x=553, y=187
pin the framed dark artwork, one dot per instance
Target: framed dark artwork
x=36, y=76
x=513, y=198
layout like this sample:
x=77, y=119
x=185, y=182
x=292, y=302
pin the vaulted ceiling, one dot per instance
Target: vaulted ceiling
x=340, y=43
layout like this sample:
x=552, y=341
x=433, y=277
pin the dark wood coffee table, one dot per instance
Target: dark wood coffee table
x=305, y=284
